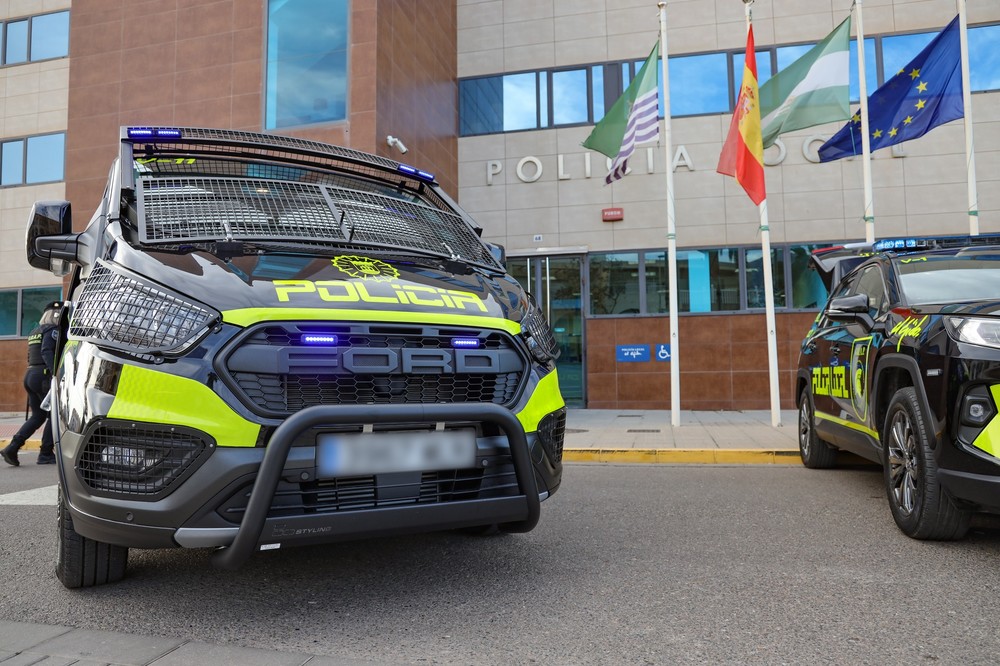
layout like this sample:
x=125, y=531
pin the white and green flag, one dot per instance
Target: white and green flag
x=631, y=120
x=813, y=90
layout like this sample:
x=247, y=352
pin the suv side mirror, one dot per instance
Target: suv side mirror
x=499, y=253
x=850, y=309
x=50, y=242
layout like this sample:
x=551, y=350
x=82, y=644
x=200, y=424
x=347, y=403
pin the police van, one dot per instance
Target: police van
x=272, y=342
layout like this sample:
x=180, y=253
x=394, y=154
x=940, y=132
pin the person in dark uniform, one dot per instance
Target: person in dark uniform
x=37, y=380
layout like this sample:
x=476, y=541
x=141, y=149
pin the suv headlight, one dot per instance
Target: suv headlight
x=975, y=330
x=119, y=311
x=538, y=334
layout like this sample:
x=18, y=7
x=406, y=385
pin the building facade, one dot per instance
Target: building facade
x=496, y=97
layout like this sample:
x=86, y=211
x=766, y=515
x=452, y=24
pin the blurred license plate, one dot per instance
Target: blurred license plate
x=383, y=452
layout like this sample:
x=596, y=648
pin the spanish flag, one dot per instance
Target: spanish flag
x=743, y=153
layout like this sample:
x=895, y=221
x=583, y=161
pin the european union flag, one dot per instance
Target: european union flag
x=924, y=94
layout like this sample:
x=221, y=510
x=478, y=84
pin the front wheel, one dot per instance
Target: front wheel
x=83, y=562
x=920, y=506
x=815, y=453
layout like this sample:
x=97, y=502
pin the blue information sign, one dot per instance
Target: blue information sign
x=632, y=353
x=662, y=352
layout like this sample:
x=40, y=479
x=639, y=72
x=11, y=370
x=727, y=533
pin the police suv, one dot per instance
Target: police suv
x=273, y=342
x=902, y=367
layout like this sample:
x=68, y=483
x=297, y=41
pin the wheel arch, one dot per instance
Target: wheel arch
x=894, y=372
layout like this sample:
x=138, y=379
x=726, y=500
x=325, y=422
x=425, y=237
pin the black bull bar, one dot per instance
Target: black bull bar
x=526, y=506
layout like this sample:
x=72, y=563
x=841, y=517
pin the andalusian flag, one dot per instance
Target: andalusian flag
x=743, y=153
x=813, y=90
x=633, y=119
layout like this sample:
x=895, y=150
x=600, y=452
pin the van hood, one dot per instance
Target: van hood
x=350, y=280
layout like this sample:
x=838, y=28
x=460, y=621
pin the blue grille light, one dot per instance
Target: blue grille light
x=168, y=133
x=324, y=339
x=465, y=343
x=139, y=132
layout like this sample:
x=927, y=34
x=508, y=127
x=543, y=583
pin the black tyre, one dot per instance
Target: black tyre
x=815, y=453
x=83, y=562
x=920, y=506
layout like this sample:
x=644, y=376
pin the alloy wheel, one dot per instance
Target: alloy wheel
x=904, y=469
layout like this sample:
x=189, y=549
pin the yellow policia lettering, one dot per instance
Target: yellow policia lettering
x=832, y=381
x=344, y=291
x=911, y=327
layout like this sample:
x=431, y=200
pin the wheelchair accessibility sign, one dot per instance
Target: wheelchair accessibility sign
x=642, y=353
x=662, y=352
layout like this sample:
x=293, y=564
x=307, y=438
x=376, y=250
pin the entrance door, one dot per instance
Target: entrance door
x=556, y=282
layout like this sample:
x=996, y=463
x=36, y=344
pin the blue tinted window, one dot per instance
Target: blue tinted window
x=481, y=105
x=46, y=155
x=756, y=293
x=984, y=57
x=898, y=51
x=12, y=163
x=50, y=36
x=8, y=313
x=763, y=59
x=16, y=46
x=808, y=290
x=306, y=62
x=33, y=302
x=709, y=280
x=788, y=54
x=569, y=97
x=871, y=70
x=520, y=102
x=598, y=91
x=698, y=84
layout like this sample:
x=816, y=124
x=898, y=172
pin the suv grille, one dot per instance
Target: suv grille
x=275, y=374
x=368, y=492
x=123, y=458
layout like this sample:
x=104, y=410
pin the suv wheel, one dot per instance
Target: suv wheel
x=816, y=454
x=920, y=506
x=83, y=562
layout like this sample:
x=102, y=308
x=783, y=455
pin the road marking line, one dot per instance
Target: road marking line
x=45, y=496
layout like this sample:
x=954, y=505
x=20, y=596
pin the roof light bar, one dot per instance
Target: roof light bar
x=413, y=171
x=153, y=133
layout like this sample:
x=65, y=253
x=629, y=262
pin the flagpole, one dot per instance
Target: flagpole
x=866, y=149
x=970, y=152
x=675, y=363
x=765, y=251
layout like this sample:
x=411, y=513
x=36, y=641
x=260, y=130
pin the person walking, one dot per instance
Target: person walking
x=37, y=381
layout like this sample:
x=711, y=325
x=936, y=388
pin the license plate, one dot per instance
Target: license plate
x=384, y=452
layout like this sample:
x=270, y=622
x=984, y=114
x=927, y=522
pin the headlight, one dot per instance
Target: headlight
x=118, y=311
x=538, y=333
x=975, y=330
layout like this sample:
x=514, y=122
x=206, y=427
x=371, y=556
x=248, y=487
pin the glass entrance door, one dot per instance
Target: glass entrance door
x=556, y=282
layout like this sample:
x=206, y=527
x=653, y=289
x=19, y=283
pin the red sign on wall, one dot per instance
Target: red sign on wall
x=612, y=214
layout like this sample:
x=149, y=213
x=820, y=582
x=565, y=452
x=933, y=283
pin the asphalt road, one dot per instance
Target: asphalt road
x=629, y=565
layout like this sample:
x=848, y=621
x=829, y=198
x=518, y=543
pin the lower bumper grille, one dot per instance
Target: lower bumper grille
x=495, y=480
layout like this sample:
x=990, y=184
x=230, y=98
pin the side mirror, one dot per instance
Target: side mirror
x=499, y=253
x=850, y=309
x=50, y=242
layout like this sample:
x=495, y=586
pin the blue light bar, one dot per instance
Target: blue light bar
x=412, y=171
x=321, y=339
x=153, y=133
x=898, y=244
x=465, y=343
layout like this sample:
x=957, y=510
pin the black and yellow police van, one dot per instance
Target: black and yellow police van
x=902, y=367
x=273, y=342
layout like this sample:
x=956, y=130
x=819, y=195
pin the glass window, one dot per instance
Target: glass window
x=45, y=158
x=808, y=290
x=763, y=69
x=12, y=163
x=899, y=50
x=597, y=87
x=50, y=36
x=871, y=69
x=984, y=57
x=786, y=55
x=306, y=62
x=709, y=280
x=569, y=97
x=657, y=283
x=614, y=283
x=520, y=101
x=755, y=278
x=16, y=49
x=871, y=284
x=8, y=313
x=481, y=105
x=33, y=302
x=698, y=84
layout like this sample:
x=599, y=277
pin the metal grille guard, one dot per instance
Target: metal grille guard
x=248, y=536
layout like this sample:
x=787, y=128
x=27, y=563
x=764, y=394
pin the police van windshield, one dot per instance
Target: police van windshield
x=949, y=279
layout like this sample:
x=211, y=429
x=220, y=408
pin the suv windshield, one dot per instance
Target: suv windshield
x=949, y=279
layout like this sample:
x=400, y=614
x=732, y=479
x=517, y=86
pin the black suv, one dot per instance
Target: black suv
x=902, y=367
x=273, y=342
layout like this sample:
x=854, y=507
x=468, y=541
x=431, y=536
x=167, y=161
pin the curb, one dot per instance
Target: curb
x=685, y=456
